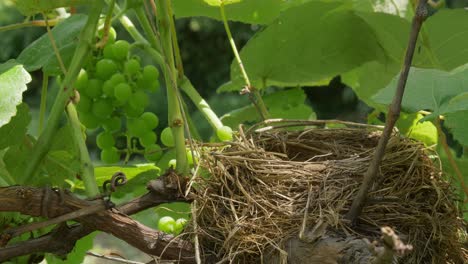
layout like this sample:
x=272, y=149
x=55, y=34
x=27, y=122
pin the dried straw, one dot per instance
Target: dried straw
x=267, y=187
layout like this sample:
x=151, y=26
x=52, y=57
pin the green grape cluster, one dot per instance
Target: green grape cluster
x=169, y=225
x=114, y=89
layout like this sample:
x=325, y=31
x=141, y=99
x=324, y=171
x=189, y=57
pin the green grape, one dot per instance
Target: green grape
x=151, y=120
x=85, y=104
x=111, y=35
x=137, y=127
x=148, y=138
x=117, y=78
x=132, y=67
x=102, y=108
x=179, y=225
x=153, y=86
x=81, y=81
x=105, y=140
x=89, y=120
x=112, y=124
x=167, y=138
x=139, y=99
x=132, y=111
x=110, y=155
x=108, y=51
x=122, y=92
x=108, y=88
x=94, y=88
x=224, y=133
x=172, y=163
x=153, y=152
x=120, y=49
x=190, y=158
x=150, y=74
x=105, y=68
x=166, y=224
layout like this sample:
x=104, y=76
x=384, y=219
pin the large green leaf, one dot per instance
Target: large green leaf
x=40, y=52
x=247, y=11
x=316, y=41
x=458, y=125
x=31, y=7
x=445, y=38
x=429, y=89
x=14, y=132
x=221, y=2
x=288, y=104
x=13, y=80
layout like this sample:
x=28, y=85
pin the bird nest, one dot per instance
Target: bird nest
x=273, y=183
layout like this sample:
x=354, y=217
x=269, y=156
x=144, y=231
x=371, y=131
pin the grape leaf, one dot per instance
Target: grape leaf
x=287, y=104
x=254, y=12
x=40, y=52
x=14, y=132
x=457, y=123
x=316, y=41
x=31, y=7
x=220, y=2
x=429, y=89
x=13, y=80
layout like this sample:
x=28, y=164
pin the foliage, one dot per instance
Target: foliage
x=299, y=43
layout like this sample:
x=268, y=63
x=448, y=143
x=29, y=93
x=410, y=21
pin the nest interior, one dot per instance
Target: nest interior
x=264, y=186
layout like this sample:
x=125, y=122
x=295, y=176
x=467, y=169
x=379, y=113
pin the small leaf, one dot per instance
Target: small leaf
x=13, y=80
x=221, y=2
x=14, y=132
x=40, y=52
x=410, y=126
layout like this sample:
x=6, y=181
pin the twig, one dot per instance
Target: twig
x=393, y=114
x=121, y=260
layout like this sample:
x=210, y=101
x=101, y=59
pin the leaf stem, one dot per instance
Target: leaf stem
x=85, y=41
x=86, y=166
x=43, y=105
x=146, y=25
x=393, y=114
x=175, y=118
x=34, y=23
x=256, y=98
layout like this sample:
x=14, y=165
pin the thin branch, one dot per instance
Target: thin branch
x=121, y=260
x=393, y=114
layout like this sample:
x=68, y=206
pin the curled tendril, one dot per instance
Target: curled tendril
x=118, y=179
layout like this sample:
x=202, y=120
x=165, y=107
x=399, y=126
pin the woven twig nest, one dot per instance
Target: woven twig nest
x=269, y=186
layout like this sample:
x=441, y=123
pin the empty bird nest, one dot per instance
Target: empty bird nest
x=276, y=183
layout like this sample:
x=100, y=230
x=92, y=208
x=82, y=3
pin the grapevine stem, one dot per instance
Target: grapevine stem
x=43, y=143
x=201, y=104
x=146, y=25
x=175, y=43
x=34, y=23
x=86, y=166
x=170, y=75
x=453, y=163
x=43, y=106
x=257, y=98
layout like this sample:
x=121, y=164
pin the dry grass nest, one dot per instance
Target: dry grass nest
x=266, y=183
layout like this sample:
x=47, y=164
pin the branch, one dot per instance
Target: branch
x=393, y=114
x=29, y=201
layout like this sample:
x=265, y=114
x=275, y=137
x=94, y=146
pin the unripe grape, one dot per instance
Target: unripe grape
x=150, y=74
x=132, y=111
x=166, y=224
x=81, y=81
x=108, y=51
x=108, y=88
x=137, y=127
x=224, y=133
x=180, y=225
x=190, y=157
x=139, y=99
x=150, y=119
x=111, y=35
x=148, y=138
x=120, y=49
x=117, y=78
x=110, y=155
x=153, y=86
x=112, y=124
x=153, y=152
x=105, y=68
x=132, y=67
x=102, y=108
x=167, y=138
x=89, y=120
x=105, y=140
x=94, y=88
x=85, y=104
x=122, y=92
x=172, y=163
